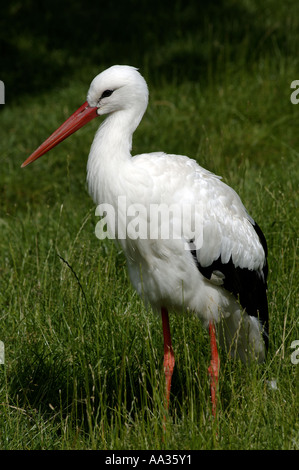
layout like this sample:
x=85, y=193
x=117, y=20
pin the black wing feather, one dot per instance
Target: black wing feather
x=248, y=286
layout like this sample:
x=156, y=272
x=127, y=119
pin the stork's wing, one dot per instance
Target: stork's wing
x=233, y=252
x=249, y=286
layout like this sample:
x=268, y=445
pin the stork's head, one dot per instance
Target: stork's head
x=121, y=87
x=117, y=88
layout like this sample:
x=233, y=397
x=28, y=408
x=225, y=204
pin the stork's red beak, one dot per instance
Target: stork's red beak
x=80, y=117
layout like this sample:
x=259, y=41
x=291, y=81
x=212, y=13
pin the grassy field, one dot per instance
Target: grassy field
x=83, y=356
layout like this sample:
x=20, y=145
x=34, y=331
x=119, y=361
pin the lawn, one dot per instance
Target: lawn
x=83, y=356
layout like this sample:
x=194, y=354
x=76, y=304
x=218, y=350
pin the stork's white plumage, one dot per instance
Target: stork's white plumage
x=222, y=279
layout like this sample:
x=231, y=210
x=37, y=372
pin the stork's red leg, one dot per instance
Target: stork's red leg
x=168, y=353
x=214, y=367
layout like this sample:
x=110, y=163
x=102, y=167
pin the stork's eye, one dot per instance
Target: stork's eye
x=106, y=93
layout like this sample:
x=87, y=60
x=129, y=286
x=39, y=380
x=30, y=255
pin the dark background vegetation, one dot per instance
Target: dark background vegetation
x=45, y=43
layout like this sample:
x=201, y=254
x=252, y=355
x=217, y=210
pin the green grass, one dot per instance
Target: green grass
x=83, y=356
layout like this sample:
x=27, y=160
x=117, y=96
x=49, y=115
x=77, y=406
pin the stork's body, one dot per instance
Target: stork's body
x=220, y=274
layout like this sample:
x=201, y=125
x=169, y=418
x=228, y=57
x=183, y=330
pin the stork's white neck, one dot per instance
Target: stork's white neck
x=110, y=152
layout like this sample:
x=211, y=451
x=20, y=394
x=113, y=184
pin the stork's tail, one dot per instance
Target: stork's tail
x=244, y=336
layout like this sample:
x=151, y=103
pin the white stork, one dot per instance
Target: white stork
x=222, y=279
